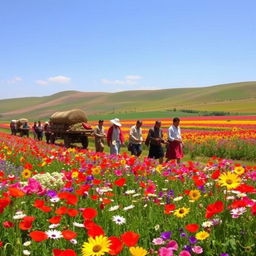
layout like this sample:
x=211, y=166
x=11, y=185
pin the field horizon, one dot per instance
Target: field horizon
x=234, y=98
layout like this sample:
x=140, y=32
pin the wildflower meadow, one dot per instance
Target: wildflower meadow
x=65, y=202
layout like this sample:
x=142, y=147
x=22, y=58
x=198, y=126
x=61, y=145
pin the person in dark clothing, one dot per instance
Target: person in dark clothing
x=40, y=131
x=47, y=132
x=13, y=127
x=25, y=129
x=154, y=141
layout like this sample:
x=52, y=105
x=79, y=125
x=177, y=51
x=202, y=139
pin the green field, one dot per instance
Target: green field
x=234, y=98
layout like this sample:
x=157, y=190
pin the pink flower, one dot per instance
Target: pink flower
x=118, y=173
x=173, y=245
x=158, y=241
x=165, y=251
x=34, y=187
x=184, y=253
x=197, y=249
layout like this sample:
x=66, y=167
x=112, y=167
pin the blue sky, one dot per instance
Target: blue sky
x=47, y=46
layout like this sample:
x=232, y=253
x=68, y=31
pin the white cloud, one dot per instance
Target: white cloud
x=128, y=80
x=132, y=77
x=14, y=80
x=55, y=79
x=59, y=79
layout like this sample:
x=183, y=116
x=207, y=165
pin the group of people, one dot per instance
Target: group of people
x=38, y=129
x=115, y=139
x=155, y=140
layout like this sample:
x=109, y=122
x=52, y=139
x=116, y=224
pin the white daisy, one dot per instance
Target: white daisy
x=26, y=252
x=135, y=195
x=73, y=241
x=129, y=207
x=130, y=192
x=178, y=198
x=27, y=243
x=54, y=234
x=55, y=199
x=207, y=224
x=113, y=208
x=238, y=212
x=79, y=225
x=119, y=219
x=54, y=225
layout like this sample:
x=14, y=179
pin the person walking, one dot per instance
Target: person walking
x=40, y=131
x=99, y=134
x=47, y=132
x=136, y=139
x=13, y=127
x=25, y=129
x=175, y=144
x=115, y=137
x=34, y=130
x=154, y=141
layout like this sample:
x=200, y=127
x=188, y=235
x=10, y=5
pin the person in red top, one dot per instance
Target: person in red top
x=115, y=137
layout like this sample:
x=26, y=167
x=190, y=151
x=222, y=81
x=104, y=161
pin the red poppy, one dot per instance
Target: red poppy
x=72, y=212
x=244, y=188
x=213, y=209
x=169, y=208
x=46, y=208
x=192, y=227
x=68, y=234
x=120, y=182
x=38, y=236
x=15, y=192
x=90, y=213
x=94, y=230
x=8, y=224
x=96, y=182
x=26, y=223
x=39, y=203
x=28, y=166
x=216, y=174
x=237, y=204
x=130, y=238
x=253, y=210
x=116, y=245
x=68, y=252
x=4, y=202
x=55, y=220
x=62, y=210
x=1, y=243
x=70, y=198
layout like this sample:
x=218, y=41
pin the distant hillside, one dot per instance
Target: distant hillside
x=235, y=97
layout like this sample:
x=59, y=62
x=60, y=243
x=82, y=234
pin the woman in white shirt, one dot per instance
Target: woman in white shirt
x=175, y=145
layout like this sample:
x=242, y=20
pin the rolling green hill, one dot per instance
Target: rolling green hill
x=235, y=97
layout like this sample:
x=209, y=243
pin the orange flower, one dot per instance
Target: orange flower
x=15, y=192
x=62, y=210
x=68, y=234
x=55, y=220
x=72, y=212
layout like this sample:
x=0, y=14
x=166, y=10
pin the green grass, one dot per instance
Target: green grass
x=235, y=98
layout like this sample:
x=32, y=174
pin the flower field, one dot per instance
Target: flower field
x=66, y=202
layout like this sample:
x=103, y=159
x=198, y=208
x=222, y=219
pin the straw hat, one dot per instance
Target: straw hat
x=116, y=122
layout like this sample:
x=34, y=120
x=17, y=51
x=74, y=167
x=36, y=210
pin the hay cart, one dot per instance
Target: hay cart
x=71, y=126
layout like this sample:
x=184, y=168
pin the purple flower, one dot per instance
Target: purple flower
x=187, y=248
x=166, y=235
x=89, y=178
x=183, y=234
x=51, y=193
x=192, y=240
x=224, y=254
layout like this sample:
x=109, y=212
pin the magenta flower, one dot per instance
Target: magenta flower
x=184, y=253
x=163, y=251
x=197, y=249
x=173, y=245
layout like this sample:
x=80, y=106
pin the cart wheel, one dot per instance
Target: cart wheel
x=66, y=141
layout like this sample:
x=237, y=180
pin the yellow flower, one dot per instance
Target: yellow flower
x=181, y=212
x=123, y=162
x=230, y=180
x=159, y=168
x=202, y=235
x=239, y=170
x=137, y=251
x=96, y=246
x=26, y=174
x=74, y=175
x=194, y=194
x=96, y=170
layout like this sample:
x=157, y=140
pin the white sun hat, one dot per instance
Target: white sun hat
x=116, y=122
